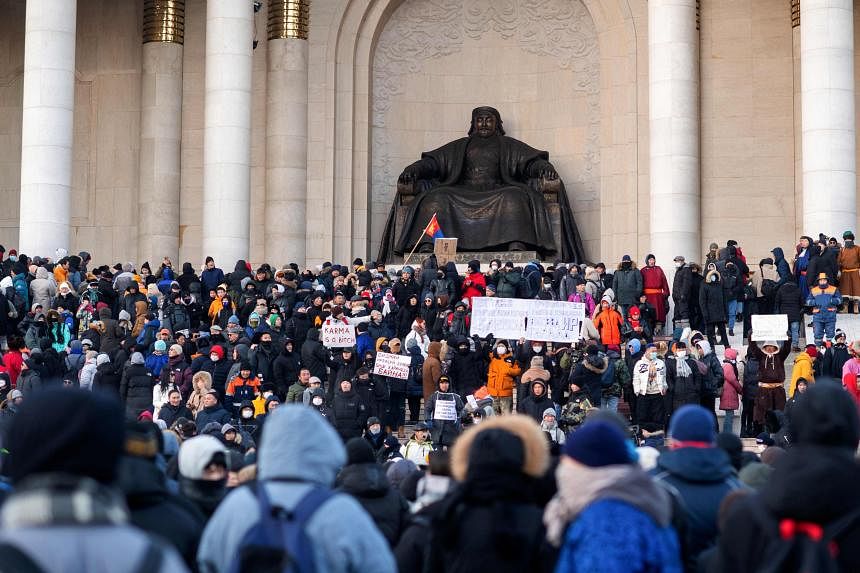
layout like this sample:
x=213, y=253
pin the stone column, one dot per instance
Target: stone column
x=227, y=130
x=827, y=117
x=673, y=76
x=160, y=129
x=47, y=126
x=286, y=131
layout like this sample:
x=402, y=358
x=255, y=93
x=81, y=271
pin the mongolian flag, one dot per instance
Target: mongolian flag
x=433, y=230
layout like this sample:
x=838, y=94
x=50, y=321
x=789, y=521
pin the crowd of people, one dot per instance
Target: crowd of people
x=179, y=410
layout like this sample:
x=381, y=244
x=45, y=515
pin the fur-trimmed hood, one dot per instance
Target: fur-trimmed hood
x=632, y=266
x=711, y=273
x=597, y=364
x=526, y=429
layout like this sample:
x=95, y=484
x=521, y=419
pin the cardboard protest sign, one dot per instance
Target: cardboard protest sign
x=769, y=327
x=515, y=318
x=446, y=407
x=338, y=335
x=392, y=365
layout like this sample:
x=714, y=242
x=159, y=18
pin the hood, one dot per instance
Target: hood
x=241, y=267
x=434, y=349
x=75, y=347
x=287, y=452
x=314, y=334
x=778, y=255
x=697, y=464
x=42, y=273
x=705, y=346
x=187, y=269
x=791, y=493
x=242, y=350
x=104, y=313
x=597, y=364
x=711, y=273
x=364, y=480
x=731, y=354
x=537, y=362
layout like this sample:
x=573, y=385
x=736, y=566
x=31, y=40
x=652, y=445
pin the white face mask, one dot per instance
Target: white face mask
x=537, y=349
x=317, y=401
x=374, y=429
x=678, y=264
x=681, y=354
x=713, y=279
x=500, y=350
x=247, y=413
x=652, y=355
x=214, y=357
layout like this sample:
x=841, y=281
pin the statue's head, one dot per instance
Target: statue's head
x=486, y=121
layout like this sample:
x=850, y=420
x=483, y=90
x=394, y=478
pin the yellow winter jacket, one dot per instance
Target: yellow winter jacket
x=802, y=369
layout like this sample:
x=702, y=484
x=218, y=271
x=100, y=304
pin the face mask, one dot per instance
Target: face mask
x=713, y=279
x=652, y=355
x=266, y=344
x=375, y=430
x=463, y=350
x=476, y=421
x=247, y=414
x=214, y=357
x=500, y=350
x=537, y=349
x=317, y=401
x=681, y=354
x=494, y=267
x=678, y=264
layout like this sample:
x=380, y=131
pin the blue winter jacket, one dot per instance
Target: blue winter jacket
x=824, y=302
x=290, y=462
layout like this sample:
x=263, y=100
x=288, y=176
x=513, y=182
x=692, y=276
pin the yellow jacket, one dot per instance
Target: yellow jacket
x=802, y=369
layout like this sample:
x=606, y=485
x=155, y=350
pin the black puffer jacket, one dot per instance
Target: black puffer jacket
x=315, y=356
x=534, y=406
x=387, y=508
x=683, y=389
x=350, y=414
x=788, y=301
x=468, y=372
x=712, y=299
x=136, y=390
x=286, y=369
x=107, y=378
x=588, y=374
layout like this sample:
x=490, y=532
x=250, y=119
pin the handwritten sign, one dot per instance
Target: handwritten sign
x=392, y=365
x=446, y=407
x=769, y=327
x=530, y=319
x=338, y=335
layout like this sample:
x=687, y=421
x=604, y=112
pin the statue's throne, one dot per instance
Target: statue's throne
x=550, y=189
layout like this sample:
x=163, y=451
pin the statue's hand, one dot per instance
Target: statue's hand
x=409, y=175
x=548, y=173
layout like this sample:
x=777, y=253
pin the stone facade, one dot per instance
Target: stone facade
x=390, y=78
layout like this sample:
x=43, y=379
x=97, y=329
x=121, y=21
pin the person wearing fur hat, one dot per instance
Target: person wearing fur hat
x=849, y=268
x=700, y=472
x=490, y=522
x=824, y=298
x=608, y=514
x=649, y=387
x=804, y=367
x=66, y=466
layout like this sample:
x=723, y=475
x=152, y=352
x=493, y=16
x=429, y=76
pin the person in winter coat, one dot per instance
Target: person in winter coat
x=771, y=390
x=468, y=370
x=500, y=377
x=174, y=409
x=627, y=284
x=814, y=484
x=406, y=316
x=682, y=286
x=712, y=301
x=683, y=380
x=201, y=384
x=804, y=367
x=475, y=284
x=88, y=371
x=365, y=480
x=43, y=288
x=649, y=387
x=459, y=321
x=656, y=289
x=537, y=400
x=713, y=379
x=536, y=371
x=549, y=426
x=286, y=368
x=405, y=288
x=508, y=281
x=490, y=522
x=849, y=269
x=732, y=389
x=824, y=298
x=108, y=376
x=85, y=522
x=443, y=432
x=783, y=270
x=835, y=357
x=135, y=388
x=588, y=374
x=579, y=294
x=609, y=322
x=315, y=356
x=788, y=302
x=431, y=370
x=212, y=411
x=349, y=412
x=608, y=514
x=342, y=535
x=156, y=361
x=701, y=474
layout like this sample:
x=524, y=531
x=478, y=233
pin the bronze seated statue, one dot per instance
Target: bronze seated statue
x=490, y=191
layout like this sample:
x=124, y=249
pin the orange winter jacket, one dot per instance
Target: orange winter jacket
x=500, y=376
x=608, y=323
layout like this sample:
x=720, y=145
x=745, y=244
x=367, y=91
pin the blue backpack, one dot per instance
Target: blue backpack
x=278, y=542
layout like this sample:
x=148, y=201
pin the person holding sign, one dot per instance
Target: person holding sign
x=443, y=410
x=771, y=387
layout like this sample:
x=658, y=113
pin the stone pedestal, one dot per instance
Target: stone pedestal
x=47, y=126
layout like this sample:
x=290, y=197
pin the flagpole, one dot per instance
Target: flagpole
x=421, y=236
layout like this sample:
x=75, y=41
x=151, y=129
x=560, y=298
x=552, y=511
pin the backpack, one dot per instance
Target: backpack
x=278, y=542
x=530, y=282
x=607, y=379
x=801, y=546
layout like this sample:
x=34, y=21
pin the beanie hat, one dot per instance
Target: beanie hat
x=827, y=416
x=848, y=235
x=160, y=346
x=692, y=423
x=217, y=350
x=137, y=358
x=142, y=440
x=811, y=350
x=634, y=345
x=44, y=438
x=358, y=451
x=197, y=453
x=597, y=444
x=175, y=349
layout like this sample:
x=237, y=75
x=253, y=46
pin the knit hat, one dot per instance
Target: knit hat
x=14, y=394
x=848, y=235
x=44, y=438
x=137, y=358
x=634, y=345
x=597, y=444
x=175, y=349
x=811, y=350
x=692, y=423
x=827, y=416
x=160, y=346
x=626, y=259
x=679, y=259
x=359, y=451
x=399, y=471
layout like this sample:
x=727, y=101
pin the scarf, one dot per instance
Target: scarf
x=682, y=368
x=580, y=485
x=62, y=499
